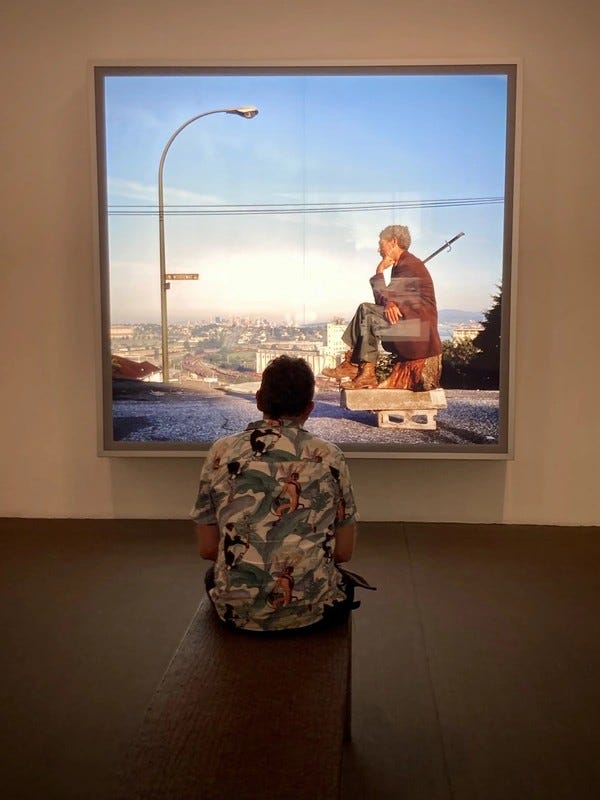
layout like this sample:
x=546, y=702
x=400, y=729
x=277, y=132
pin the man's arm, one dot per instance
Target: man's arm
x=345, y=539
x=391, y=309
x=208, y=540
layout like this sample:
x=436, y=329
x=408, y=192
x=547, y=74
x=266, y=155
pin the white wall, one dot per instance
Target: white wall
x=47, y=404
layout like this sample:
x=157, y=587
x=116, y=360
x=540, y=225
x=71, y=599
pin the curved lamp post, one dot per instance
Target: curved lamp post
x=245, y=111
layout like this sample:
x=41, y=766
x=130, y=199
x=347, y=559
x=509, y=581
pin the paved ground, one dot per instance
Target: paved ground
x=160, y=414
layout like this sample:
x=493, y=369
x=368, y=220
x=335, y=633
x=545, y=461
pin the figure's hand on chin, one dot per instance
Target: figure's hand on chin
x=385, y=263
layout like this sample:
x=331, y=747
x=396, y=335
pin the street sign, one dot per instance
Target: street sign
x=182, y=276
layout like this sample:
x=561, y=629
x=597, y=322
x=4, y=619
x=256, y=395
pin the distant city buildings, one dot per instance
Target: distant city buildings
x=225, y=350
x=467, y=331
x=310, y=351
x=317, y=354
x=122, y=332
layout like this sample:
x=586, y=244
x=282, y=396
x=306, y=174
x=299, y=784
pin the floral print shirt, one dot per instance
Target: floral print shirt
x=277, y=494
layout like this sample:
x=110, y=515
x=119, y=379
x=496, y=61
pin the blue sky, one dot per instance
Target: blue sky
x=393, y=139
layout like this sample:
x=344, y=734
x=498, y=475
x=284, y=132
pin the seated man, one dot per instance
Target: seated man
x=276, y=513
x=403, y=317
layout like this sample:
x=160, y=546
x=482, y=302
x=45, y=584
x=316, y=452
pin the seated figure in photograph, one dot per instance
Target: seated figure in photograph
x=403, y=318
x=275, y=511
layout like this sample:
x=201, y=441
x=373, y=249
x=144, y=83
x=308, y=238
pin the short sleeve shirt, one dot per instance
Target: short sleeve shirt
x=277, y=494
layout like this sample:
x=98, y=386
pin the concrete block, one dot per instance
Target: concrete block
x=391, y=399
x=397, y=408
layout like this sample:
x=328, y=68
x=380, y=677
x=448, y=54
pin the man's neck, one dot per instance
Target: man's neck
x=299, y=421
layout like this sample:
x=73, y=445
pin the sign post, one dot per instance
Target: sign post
x=181, y=276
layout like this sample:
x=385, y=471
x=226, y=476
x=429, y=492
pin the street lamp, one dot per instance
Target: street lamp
x=248, y=112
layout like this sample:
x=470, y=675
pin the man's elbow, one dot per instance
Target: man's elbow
x=343, y=554
x=208, y=541
x=342, y=558
x=207, y=552
x=344, y=544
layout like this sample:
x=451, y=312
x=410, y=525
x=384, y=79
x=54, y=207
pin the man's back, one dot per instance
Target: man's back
x=277, y=494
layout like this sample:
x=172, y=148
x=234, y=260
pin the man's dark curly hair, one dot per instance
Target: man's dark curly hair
x=287, y=387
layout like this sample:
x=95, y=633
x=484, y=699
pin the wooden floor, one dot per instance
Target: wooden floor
x=476, y=663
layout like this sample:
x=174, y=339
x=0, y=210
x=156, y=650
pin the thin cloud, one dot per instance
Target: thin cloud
x=148, y=193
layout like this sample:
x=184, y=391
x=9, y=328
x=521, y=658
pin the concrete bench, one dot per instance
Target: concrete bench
x=243, y=716
x=397, y=408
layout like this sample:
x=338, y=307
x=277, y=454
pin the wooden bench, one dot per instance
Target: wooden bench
x=397, y=408
x=239, y=716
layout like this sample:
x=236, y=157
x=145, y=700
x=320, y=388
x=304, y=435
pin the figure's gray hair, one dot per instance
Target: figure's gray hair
x=399, y=232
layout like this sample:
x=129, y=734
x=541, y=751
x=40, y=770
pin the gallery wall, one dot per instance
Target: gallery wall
x=48, y=321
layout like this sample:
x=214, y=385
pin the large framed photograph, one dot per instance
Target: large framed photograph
x=248, y=211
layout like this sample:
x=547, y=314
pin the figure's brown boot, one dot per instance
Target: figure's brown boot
x=346, y=369
x=366, y=378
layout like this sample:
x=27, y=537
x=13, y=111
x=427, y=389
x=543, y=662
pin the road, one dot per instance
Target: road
x=158, y=413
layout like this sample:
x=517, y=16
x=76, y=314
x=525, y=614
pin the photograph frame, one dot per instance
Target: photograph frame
x=503, y=446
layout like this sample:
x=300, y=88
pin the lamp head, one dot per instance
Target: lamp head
x=245, y=111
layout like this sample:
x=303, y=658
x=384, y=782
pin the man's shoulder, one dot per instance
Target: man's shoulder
x=410, y=259
x=229, y=443
x=321, y=448
x=297, y=442
x=411, y=266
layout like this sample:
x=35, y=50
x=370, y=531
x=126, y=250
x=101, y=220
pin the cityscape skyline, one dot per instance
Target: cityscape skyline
x=456, y=315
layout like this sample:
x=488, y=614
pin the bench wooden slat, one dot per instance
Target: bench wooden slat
x=239, y=716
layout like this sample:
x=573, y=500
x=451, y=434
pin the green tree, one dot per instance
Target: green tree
x=457, y=355
x=486, y=363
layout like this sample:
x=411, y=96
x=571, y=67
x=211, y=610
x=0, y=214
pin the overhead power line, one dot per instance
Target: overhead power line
x=189, y=210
